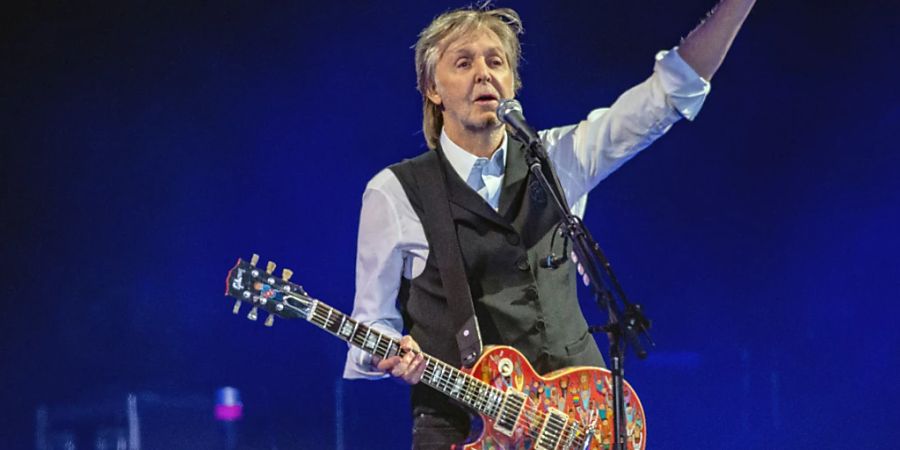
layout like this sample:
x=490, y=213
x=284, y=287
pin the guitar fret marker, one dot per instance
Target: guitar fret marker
x=435, y=375
x=346, y=328
x=368, y=343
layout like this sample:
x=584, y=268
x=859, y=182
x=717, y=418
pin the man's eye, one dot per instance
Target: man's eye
x=497, y=62
x=463, y=63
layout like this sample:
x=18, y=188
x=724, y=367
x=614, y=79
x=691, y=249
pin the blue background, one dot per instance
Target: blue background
x=146, y=146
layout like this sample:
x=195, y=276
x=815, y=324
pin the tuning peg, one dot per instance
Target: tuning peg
x=254, y=259
x=237, y=307
x=252, y=315
x=286, y=274
x=270, y=267
x=270, y=320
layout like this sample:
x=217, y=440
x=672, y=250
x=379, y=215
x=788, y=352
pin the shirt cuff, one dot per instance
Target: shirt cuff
x=359, y=366
x=685, y=89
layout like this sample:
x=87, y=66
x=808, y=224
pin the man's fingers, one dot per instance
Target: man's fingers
x=409, y=367
x=408, y=343
x=409, y=357
x=388, y=364
x=413, y=372
x=399, y=370
x=417, y=369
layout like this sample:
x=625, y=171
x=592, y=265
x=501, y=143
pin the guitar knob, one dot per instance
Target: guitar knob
x=270, y=320
x=252, y=315
x=270, y=267
x=237, y=307
x=254, y=259
x=286, y=274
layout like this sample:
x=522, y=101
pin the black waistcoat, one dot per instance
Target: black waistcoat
x=517, y=302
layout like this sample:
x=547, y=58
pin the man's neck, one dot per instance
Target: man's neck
x=482, y=143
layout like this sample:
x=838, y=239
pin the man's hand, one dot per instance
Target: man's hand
x=408, y=367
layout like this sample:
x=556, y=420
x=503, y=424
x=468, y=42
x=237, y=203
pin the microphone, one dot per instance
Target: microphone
x=510, y=112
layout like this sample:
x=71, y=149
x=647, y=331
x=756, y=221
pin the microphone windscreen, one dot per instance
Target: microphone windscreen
x=507, y=107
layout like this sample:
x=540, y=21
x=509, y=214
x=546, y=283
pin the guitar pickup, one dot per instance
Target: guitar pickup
x=510, y=411
x=553, y=429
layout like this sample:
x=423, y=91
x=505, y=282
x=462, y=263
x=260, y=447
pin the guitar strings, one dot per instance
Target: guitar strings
x=528, y=417
x=528, y=413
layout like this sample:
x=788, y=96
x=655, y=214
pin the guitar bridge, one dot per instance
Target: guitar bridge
x=510, y=411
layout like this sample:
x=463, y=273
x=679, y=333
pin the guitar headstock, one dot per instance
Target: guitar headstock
x=263, y=289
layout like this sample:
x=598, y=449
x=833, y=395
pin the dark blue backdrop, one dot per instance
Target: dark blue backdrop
x=146, y=146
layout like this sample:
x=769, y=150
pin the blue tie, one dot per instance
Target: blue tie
x=482, y=168
x=476, y=177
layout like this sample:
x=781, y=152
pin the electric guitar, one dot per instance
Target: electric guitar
x=519, y=409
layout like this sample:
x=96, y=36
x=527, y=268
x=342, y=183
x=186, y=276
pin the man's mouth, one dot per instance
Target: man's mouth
x=486, y=98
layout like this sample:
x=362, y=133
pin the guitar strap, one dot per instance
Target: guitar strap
x=430, y=177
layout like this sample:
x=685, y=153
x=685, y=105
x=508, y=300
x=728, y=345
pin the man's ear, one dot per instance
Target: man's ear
x=433, y=96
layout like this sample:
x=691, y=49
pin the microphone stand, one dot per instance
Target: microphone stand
x=624, y=324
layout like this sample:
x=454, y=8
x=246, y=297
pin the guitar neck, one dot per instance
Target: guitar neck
x=450, y=381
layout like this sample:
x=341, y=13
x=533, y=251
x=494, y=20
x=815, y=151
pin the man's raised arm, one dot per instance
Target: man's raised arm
x=705, y=46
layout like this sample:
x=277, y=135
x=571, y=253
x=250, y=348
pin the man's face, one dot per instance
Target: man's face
x=471, y=77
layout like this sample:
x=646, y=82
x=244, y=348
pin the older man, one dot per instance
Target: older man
x=497, y=229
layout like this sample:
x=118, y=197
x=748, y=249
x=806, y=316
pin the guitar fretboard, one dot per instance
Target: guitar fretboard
x=441, y=376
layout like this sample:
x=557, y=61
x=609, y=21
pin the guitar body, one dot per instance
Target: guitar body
x=583, y=393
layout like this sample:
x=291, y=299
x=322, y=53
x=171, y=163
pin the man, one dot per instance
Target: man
x=467, y=61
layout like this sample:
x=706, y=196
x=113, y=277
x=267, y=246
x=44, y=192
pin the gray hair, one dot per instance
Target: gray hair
x=448, y=27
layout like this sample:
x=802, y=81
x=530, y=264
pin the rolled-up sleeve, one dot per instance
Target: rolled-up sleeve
x=586, y=153
x=685, y=89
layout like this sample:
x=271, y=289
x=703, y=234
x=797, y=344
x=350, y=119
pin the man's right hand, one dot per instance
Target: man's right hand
x=408, y=367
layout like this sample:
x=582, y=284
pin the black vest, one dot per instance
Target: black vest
x=517, y=302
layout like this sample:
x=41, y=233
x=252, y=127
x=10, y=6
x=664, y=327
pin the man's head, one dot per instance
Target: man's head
x=463, y=59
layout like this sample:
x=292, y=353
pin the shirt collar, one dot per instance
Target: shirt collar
x=462, y=161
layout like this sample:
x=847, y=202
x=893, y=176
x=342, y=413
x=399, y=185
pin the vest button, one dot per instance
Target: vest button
x=522, y=264
x=513, y=239
x=539, y=325
x=531, y=293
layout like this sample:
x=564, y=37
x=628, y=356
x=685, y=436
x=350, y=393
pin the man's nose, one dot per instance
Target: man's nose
x=482, y=72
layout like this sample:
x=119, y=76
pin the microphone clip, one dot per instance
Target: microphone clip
x=552, y=261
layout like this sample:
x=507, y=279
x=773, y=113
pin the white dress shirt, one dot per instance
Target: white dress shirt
x=391, y=242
